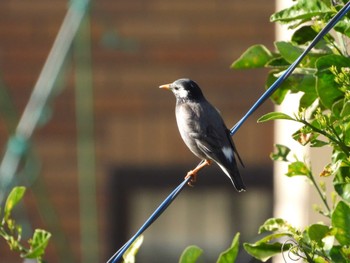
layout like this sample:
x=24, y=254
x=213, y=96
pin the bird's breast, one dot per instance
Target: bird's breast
x=187, y=122
x=185, y=118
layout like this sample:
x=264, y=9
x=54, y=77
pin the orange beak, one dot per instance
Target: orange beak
x=165, y=86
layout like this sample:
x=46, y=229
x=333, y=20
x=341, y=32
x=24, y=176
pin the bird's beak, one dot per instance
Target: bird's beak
x=166, y=86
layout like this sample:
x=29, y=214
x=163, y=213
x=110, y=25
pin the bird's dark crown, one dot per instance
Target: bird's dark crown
x=186, y=87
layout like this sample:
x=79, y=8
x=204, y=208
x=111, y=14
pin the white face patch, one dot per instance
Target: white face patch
x=182, y=93
x=228, y=153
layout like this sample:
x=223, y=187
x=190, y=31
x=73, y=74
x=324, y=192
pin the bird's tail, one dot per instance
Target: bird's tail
x=235, y=177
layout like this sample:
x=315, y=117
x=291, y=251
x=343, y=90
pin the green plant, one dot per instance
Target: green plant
x=12, y=232
x=192, y=253
x=323, y=79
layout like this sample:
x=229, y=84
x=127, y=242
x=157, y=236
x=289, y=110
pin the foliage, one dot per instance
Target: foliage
x=192, y=253
x=12, y=232
x=323, y=79
x=130, y=254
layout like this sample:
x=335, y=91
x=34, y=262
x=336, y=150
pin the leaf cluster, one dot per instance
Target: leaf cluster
x=323, y=80
x=12, y=232
x=192, y=253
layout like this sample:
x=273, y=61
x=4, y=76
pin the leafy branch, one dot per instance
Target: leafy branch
x=299, y=168
x=323, y=80
x=12, y=232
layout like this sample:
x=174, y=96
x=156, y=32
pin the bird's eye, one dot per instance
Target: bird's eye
x=176, y=88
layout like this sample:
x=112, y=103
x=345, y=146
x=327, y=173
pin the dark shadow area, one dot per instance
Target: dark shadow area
x=207, y=215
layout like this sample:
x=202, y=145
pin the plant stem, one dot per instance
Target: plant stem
x=322, y=196
x=344, y=148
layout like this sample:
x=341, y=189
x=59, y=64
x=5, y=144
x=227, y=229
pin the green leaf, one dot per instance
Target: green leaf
x=346, y=133
x=326, y=87
x=318, y=143
x=275, y=116
x=291, y=52
x=38, y=244
x=306, y=34
x=303, y=10
x=14, y=197
x=303, y=35
x=278, y=95
x=342, y=177
x=276, y=224
x=307, y=85
x=345, y=112
x=254, y=57
x=319, y=259
x=301, y=80
x=341, y=221
x=343, y=26
x=281, y=154
x=317, y=232
x=288, y=51
x=264, y=251
x=190, y=254
x=336, y=254
x=230, y=255
x=326, y=90
x=130, y=254
x=297, y=169
x=343, y=189
x=278, y=62
x=337, y=107
x=325, y=62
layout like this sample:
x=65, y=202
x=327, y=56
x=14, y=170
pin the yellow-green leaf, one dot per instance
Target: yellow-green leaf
x=12, y=200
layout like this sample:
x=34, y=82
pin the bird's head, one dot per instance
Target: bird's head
x=184, y=90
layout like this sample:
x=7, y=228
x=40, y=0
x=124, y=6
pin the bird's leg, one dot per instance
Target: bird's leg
x=193, y=173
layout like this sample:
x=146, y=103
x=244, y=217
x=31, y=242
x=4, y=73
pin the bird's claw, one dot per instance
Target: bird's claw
x=193, y=179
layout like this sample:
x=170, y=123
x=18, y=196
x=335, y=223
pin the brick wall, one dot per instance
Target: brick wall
x=136, y=46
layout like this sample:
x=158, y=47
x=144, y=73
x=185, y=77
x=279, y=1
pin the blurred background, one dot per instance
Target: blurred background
x=105, y=150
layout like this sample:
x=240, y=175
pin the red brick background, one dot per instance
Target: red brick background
x=136, y=46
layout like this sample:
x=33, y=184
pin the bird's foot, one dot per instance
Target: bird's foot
x=193, y=180
x=193, y=173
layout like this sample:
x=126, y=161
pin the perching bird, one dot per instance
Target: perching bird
x=204, y=131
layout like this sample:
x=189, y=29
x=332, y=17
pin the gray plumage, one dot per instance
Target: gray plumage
x=203, y=129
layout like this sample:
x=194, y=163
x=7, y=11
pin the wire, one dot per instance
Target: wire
x=118, y=255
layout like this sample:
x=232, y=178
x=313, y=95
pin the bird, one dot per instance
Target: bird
x=204, y=132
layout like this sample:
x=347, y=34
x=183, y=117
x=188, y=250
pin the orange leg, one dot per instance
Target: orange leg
x=193, y=173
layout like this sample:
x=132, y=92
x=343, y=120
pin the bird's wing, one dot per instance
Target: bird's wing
x=220, y=148
x=228, y=133
x=209, y=132
x=213, y=139
x=211, y=142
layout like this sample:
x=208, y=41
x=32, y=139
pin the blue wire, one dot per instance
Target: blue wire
x=118, y=255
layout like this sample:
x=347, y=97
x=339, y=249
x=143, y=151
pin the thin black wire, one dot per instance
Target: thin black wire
x=118, y=255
